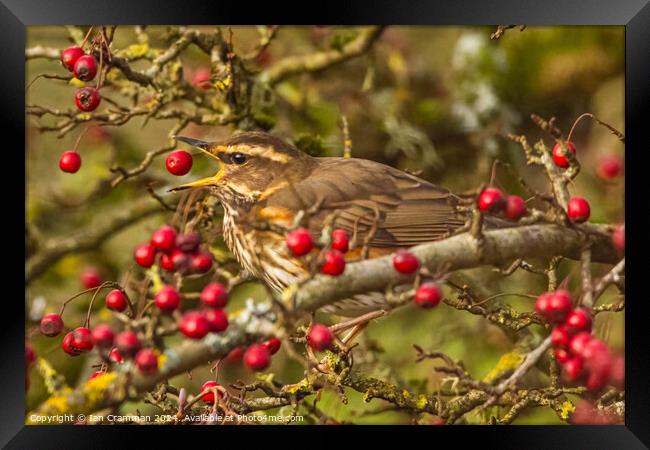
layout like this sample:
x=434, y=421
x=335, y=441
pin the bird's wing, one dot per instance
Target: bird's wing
x=372, y=201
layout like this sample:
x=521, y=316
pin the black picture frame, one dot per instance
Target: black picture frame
x=15, y=15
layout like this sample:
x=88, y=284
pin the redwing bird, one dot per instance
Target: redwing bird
x=262, y=178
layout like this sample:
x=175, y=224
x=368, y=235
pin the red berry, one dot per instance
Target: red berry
x=116, y=356
x=103, y=335
x=82, y=339
x=217, y=319
x=188, y=242
x=559, y=154
x=67, y=346
x=179, y=162
x=194, y=325
x=599, y=366
x=561, y=355
x=91, y=278
x=201, y=78
x=167, y=299
x=300, y=242
x=578, y=210
x=610, y=167
x=515, y=207
x=201, y=262
x=87, y=99
x=146, y=360
x=257, y=357
x=51, y=325
x=559, y=305
x=99, y=373
x=85, y=68
x=167, y=263
x=405, y=262
x=560, y=336
x=598, y=362
x=164, y=239
x=181, y=260
x=209, y=397
x=427, y=295
x=30, y=356
x=263, y=58
x=235, y=355
x=70, y=162
x=69, y=57
x=491, y=201
x=618, y=238
x=116, y=300
x=320, y=337
x=340, y=240
x=334, y=264
x=573, y=368
x=579, y=343
x=541, y=303
x=597, y=380
x=272, y=345
x=595, y=349
x=578, y=320
x=215, y=295
x=176, y=261
x=617, y=374
x=127, y=343
x=145, y=255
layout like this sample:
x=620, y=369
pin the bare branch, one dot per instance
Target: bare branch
x=55, y=249
x=322, y=60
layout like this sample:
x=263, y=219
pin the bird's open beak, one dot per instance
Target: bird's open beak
x=203, y=182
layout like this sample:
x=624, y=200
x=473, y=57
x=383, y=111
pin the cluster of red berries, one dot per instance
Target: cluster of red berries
x=123, y=345
x=126, y=344
x=256, y=357
x=300, y=243
x=178, y=252
x=84, y=68
x=581, y=355
x=428, y=294
x=492, y=201
x=195, y=324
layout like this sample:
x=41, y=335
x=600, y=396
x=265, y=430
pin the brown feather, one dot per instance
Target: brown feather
x=410, y=210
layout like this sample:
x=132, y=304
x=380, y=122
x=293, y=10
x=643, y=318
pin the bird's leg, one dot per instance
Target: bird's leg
x=357, y=325
x=364, y=319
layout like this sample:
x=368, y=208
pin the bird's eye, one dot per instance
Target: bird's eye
x=238, y=158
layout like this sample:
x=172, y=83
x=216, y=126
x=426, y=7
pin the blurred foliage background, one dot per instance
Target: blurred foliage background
x=436, y=100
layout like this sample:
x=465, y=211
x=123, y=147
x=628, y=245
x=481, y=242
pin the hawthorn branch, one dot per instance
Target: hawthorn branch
x=314, y=62
x=459, y=252
x=614, y=276
x=531, y=359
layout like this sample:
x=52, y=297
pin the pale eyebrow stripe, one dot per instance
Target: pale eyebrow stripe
x=265, y=152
